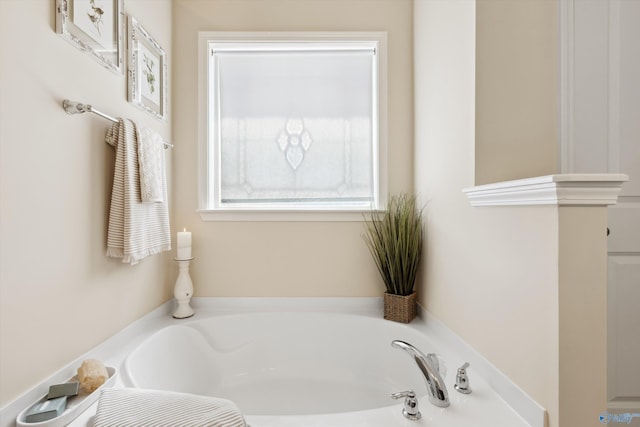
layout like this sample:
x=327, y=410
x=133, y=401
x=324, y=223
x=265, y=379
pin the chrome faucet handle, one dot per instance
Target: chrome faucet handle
x=410, y=410
x=433, y=358
x=462, y=380
x=438, y=364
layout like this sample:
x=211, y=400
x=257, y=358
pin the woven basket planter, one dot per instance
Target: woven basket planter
x=400, y=308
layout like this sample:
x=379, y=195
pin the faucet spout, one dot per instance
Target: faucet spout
x=428, y=365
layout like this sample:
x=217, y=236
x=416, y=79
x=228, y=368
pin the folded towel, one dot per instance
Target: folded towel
x=154, y=408
x=136, y=229
x=151, y=162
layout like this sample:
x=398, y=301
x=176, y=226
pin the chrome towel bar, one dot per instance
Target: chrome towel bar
x=73, y=107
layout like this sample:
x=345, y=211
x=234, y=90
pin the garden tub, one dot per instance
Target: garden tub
x=307, y=369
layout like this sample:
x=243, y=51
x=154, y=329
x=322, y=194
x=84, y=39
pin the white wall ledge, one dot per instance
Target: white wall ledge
x=558, y=190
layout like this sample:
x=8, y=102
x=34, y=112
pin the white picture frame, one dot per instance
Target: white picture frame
x=95, y=27
x=147, y=71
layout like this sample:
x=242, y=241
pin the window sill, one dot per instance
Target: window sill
x=283, y=216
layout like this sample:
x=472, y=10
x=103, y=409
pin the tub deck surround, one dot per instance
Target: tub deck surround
x=225, y=328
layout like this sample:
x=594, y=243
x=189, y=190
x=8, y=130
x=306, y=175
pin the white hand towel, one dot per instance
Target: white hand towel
x=151, y=162
x=154, y=408
x=136, y=229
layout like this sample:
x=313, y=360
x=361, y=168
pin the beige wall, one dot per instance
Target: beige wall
x=525, y=286
x=517, y=93
x=491, y=274
x=278, y=258
x=583, y=315
x=59, y=294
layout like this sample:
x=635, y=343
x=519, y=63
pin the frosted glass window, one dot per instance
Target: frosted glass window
x=293, y=125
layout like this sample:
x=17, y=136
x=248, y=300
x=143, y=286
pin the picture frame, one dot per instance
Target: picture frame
x=95, y=27
x=147, y=71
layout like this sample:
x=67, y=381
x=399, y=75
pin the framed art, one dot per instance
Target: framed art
x=94, y=26
x=147, y=73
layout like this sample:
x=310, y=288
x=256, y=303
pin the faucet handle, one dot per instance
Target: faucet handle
x=438, y=364
x=462, y=380
x=410, y=410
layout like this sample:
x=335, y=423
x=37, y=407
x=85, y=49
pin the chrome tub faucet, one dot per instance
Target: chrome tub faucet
x=429, y=367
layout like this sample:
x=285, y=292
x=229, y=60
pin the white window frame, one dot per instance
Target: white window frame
x=209, y=209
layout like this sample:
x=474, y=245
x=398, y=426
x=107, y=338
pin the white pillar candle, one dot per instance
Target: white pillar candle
x=184, y=244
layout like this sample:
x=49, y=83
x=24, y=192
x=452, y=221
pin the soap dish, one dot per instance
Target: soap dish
x=75, y=405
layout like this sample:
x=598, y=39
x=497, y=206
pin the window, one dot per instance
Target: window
x=292, y=123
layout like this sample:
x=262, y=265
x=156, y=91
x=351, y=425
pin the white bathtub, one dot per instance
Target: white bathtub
x=300, y=362
x=281, y=363
x=307, y=369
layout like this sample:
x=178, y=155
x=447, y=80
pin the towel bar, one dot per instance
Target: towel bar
x=72, y=107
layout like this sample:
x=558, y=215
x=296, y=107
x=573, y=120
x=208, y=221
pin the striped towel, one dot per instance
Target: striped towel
x=136, y=229
x=154, y=408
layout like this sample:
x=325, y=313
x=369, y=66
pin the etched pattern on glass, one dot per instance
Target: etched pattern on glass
x=282, y=159
x=294, y=141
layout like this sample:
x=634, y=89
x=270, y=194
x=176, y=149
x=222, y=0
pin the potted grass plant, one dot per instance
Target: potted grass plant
x=395, y=242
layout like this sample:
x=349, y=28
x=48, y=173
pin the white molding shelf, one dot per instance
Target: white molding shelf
x=558, y=190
